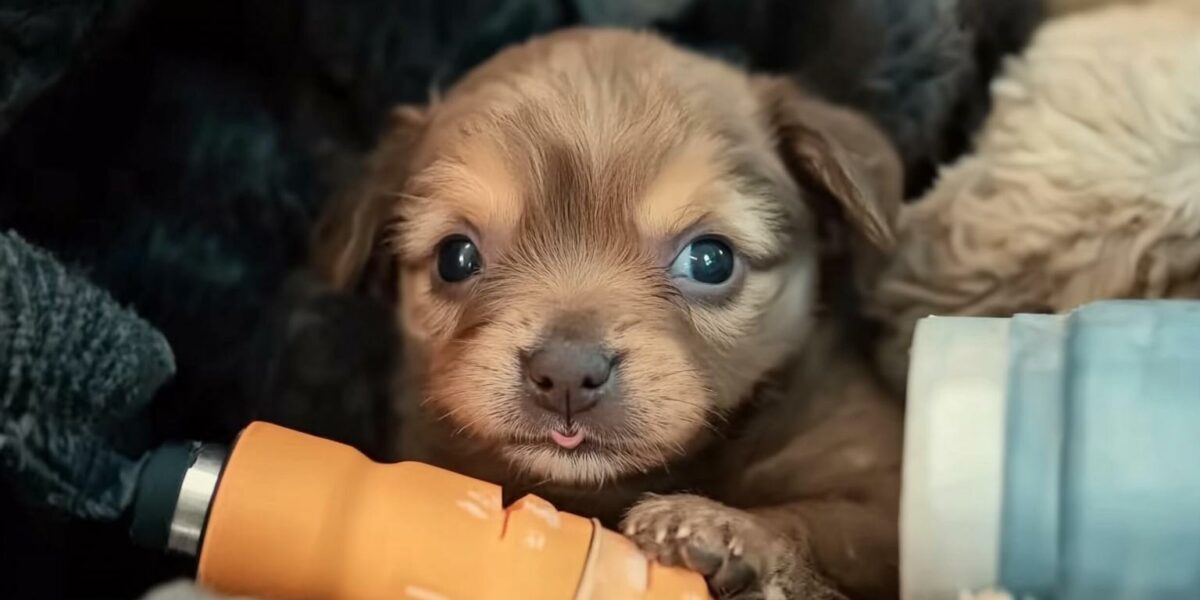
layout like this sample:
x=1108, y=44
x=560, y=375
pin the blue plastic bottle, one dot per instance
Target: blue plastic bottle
x=1055, y=457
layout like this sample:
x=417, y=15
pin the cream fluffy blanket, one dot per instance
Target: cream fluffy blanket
x=1084, y=183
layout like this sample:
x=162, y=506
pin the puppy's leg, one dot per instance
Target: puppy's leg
x=804, y=549
x=852, y=544
x=744, y=555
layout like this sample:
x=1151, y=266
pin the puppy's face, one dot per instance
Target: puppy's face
x=602, y=249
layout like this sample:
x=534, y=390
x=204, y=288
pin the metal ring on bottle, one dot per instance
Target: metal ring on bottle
x=195, y=497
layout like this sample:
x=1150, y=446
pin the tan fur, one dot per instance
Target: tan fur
x=1085, y=183
x=581, y=164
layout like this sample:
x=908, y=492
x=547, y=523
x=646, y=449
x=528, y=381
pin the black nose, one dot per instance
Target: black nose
x=569, y=377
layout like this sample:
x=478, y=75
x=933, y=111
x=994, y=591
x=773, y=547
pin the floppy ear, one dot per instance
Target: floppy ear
x=848, y=167
x=347, y=241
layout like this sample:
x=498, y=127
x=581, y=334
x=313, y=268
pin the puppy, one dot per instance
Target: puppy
x=613, y=290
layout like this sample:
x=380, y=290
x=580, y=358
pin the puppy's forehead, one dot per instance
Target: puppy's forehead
x=647, y=184
x=585, y=147
x=590, y=171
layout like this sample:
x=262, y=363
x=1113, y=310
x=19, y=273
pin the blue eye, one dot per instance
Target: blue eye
x=458, y=259
x=706, y=260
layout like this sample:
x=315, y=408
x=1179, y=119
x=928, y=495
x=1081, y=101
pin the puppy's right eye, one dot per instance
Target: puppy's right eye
x=458, y=259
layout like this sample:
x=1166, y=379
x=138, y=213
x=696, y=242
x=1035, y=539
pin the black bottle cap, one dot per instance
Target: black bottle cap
x=158, y=492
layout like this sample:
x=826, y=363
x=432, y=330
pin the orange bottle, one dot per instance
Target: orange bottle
x=290, y=515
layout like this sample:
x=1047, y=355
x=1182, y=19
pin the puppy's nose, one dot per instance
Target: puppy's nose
x=569, y=377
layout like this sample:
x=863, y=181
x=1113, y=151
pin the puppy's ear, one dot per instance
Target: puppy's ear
x=848, y=167
x=348, y=249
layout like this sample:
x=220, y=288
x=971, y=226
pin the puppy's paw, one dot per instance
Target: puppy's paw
x=738, y=553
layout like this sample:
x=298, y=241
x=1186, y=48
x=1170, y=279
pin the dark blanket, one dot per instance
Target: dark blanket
x=179, y=151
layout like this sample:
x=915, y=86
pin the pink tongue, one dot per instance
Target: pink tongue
x=567, y=441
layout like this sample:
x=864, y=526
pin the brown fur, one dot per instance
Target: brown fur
x=580, y=164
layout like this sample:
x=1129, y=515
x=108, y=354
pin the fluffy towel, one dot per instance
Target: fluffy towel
x=75, y=368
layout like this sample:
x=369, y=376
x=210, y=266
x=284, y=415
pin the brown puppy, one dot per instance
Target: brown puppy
x=608, y=253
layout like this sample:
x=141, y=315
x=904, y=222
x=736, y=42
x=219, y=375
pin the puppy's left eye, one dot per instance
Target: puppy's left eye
x=707, y=261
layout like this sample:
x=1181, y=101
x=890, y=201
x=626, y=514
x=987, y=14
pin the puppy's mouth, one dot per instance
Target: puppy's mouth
x=583, y=453
x=567, y=440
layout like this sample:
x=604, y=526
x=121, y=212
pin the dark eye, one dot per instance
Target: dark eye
x=458, y=259
x=706, y=260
